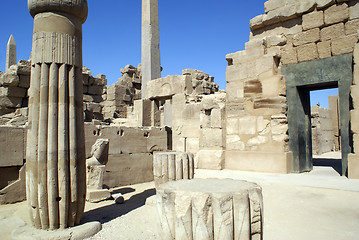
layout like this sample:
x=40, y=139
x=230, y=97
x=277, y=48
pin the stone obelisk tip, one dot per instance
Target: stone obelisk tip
x=10, y=52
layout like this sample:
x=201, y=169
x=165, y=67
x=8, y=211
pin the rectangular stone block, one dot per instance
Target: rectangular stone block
x=127, y=169
x=210, y=159
x=353, y=166
x=307, y=52
x=235, y=91
x=310, y=36
x=353, y=10
x=289, y=55
x=332, y=32
x=211, y=137
x=324, y=3
x=270, y=102
x=12, y=146
x=233, y=142
x=11, y=102
x=324, y=49
x=10, y=79
x=271, y=162
x=236, y=72
x=24, y=81
x=344, y=44
x=95, y=90
x=313, y=20
x=12, y=92
x=273, y=4
x=354, y=114
x=351, y=27
x=336, y=13
x=169, y=86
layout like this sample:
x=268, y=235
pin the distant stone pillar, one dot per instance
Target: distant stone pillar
x=56, y=167
x=150, y=59
x=10, y=53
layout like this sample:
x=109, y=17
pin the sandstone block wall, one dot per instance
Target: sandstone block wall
x=322, y=131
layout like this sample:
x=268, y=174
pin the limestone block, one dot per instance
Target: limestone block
x=236, y=109
x=336, y=13
x=247, y=125
x=354, y=10
x=289, y=55
x=262, y=65
x=12, y=146
x=259, y=161
x=192, y=145
x=304, y=6
x=256, y=141
x=355, y=143
x=235, y=91
x=283, y=14
x=274, y=51
x=172, y=166
x=211, y=137
x=324, y=49
x=10, y=102
x=97, y=195
x=354, y=114
x=233, y=142
x=353, y=166
x=351, y=27
x=256, y=22
x=245, y=56
x=313, y=20
x=93, y=107
x=24, y=81
x=95, y=176
x=12, y=92
x=214, y=101
x=277, y=40
x=232, y=126
x=270, y=102
x=92, y=98
x=344, y=44
x=210, y=209
x=273, y=4
x=24, y=67
x=252, y=88
x=10, y=79
x=217, y=118
x=16, y=191
x=354, y=93
x=272, y=86
x=307, y=52
x=324, y=3
x=168, y=86
x=127, y=169
x=95, y=90
x=310, y=36
x=331, y=32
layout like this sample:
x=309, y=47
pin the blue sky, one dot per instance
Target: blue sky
x=194, y=34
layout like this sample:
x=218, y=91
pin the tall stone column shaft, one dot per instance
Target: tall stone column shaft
x=56, y=167
x=10, y=52
x=150, y=59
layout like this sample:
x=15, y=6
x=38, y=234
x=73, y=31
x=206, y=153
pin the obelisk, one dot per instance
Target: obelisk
x=55, y=157
x=150, y=59
x=10, y=52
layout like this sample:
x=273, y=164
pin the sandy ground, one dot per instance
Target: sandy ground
x=316, y=205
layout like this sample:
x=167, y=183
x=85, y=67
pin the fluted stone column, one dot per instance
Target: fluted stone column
x=210, y=209
x=150, y=55
x=55, y=159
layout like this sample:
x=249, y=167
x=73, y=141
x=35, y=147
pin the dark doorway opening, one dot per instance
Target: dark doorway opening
x=301, y=78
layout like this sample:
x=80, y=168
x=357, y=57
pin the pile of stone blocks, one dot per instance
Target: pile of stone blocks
x=202, y=83
x=14, y=84
x=94, y=89
x=322, y=131
x=121, y=95
x=212, y=138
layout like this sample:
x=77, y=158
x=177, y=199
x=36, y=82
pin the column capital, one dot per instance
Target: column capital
x=77, y=8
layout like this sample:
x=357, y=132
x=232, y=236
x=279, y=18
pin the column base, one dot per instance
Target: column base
x=27, y=232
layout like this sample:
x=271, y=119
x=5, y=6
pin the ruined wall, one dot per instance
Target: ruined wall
x=322, y=131
x=289, y=32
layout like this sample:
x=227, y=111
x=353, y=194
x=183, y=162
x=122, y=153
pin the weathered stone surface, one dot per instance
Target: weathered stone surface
x=24, y=81
x=12, y=92
x=307, y=52
x=351, y=27
x=289, y=55
x=324, y=49
x=273, y=4
x=313, y=20
x=324, y=3
x=10, y=52
x=331, y=32
x=97, y=195
x=272, y=102
x=353, y=166
x=336, y=13
x=168, y=86
x=16, y=191
x=256, y=22
x=310, y=36
x=172, y=166
x=12, y=146
x=210, y=159
x=210, y=209
x=353, y=10
x=344, y=44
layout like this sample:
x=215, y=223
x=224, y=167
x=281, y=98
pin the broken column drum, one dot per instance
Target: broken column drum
x=172, y=166
x=55, y=159
x=210, y=209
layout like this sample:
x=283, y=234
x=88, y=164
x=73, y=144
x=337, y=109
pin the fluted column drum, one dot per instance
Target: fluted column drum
x=56, y=167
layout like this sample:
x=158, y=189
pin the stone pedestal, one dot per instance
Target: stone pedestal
x=55, y=155
x=210, y=209
x=171, y=166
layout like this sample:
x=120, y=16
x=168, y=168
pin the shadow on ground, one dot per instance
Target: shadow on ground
x=110, y=212
x=336, y=164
